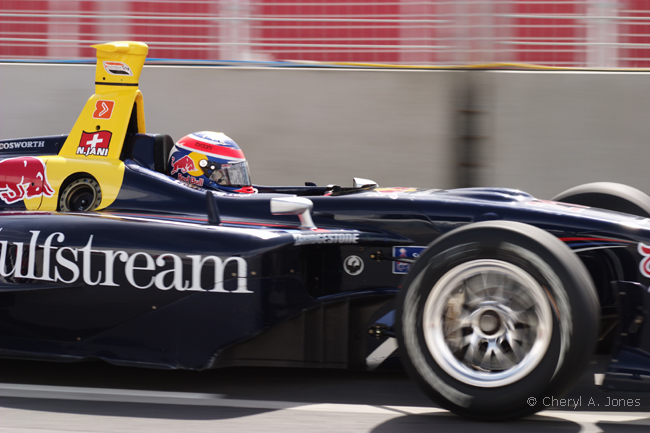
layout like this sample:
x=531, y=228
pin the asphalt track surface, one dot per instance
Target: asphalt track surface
x=39, y=397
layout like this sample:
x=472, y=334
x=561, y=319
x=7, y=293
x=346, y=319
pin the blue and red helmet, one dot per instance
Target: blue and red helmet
x=210, y=160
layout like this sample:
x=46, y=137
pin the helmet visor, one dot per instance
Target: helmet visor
x=235, y=174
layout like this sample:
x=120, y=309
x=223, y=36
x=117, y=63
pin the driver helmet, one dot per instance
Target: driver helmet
x=210, y=160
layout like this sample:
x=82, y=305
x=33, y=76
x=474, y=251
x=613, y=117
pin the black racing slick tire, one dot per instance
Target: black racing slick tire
x=496, y=319
x=608, y=195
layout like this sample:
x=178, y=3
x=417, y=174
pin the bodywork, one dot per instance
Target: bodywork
x=165, y=275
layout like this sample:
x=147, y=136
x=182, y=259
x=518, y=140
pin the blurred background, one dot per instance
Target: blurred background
x=535, y=95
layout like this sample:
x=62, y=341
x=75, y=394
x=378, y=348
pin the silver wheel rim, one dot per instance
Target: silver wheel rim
x=487, y=323
x=84, y=184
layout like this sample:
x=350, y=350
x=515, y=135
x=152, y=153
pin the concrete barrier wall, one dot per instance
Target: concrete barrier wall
x=542, y=132
x=549, y=131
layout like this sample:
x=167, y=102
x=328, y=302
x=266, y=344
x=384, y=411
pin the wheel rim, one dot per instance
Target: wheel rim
x=487, y=323
x=80, y=196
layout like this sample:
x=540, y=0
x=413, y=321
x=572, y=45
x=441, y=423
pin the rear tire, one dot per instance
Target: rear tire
x=495, y=317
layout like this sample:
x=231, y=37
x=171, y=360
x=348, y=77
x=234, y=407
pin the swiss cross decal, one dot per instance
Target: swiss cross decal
x=103, y=109
x=94, y=143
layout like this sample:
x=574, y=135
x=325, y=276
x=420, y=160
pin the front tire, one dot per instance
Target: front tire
x=608, y=195
x=494, y=316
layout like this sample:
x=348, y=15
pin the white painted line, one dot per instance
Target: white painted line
x=186, y=398
x=587, y=420
x=640, y=418
x=103, y=394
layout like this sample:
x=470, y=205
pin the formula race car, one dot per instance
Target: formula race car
x=487, y=296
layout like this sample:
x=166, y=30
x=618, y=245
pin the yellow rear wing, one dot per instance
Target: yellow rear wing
x=115, y=108
x=93, y=147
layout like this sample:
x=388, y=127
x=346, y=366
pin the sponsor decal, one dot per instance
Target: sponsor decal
x=183, y=165
x=393, y=193
x=395, y=190
x=406, y=252
x=353, y=265
x=204, y=146
x=117, y=68
x=212, y=144
x=47, y=261
x=214, y=137
x=94, y=143
x=12, y=145
x=191, y=180
x=103, y=109
x=644, y=266
x=23, y=178
x=325, y=238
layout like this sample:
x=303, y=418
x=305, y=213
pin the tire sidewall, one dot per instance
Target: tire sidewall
x=550, y=263
x=608, y=195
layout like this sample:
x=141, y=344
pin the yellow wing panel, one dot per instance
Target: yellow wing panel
x=102, y=125
x=95, y=143
x=108, y=173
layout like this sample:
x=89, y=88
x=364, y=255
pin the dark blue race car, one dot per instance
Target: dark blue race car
x=487, y=296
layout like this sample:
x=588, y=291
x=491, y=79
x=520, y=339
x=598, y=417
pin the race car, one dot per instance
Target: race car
x=486, y=296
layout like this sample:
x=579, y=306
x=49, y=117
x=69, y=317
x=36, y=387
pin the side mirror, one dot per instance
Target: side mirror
x=359, y=182
x=294, y=206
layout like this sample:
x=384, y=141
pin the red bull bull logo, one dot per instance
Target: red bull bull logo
x=94, y=143
x=23, y=178
x=183, y=165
